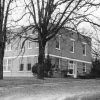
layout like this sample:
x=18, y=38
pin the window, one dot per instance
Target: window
x=5, y=65
x=84, y=67
x=72, y=45
x=71, y=67
x=29, y=45
x=29, y=66
x=36, y=44
x=84, y=48
x=21, y=67
x=57, y=63
x=8, y=47
x=9, y=64
x=58, y=42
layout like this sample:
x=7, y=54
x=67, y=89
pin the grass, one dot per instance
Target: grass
x=15, y=81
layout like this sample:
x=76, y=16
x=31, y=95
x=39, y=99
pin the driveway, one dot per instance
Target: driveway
x=61, y=90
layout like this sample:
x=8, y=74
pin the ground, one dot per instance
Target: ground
x=49, y=89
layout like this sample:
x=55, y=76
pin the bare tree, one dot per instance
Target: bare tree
x=47, y=17
x=4, y=13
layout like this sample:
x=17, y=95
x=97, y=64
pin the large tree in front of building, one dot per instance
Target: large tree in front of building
x=4, y=13
x=47, y=17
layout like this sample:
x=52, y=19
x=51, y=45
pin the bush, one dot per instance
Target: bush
x=64, y=73
x=46, y=68
x=87, y=76
x=35, y=68
x=95, y=71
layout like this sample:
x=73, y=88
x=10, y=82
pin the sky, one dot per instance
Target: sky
x=18, y=11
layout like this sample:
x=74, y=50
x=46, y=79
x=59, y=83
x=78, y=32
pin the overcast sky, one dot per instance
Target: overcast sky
x=17, y=13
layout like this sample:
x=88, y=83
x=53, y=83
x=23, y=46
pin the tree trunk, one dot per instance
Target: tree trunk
x=41, y=59
x=1, y=59
x=1, y=65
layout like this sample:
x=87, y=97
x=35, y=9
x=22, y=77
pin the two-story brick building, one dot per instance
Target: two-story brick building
x=68, y=50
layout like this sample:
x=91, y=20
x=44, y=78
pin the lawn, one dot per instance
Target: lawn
x=14, y=81
x=59, y=88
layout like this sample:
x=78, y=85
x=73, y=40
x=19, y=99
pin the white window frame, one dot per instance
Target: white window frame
x=73, y=44
x=59, y=36
x=29, y=46
x=85, y=48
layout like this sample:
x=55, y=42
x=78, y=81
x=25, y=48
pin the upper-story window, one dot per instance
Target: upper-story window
x=58, y=42
x=8, y=47
x=29, y=45
x=84, y=48
x=36, y=44
x=72, y=44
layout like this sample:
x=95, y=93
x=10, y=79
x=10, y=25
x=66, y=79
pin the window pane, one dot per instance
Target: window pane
x=29, y=67
x=70, y=71
x=36, y=44
x=4, y=68
x=72, y=46
x=84, y=49
x=84, y=67
x=71, y=67
x=58, y=42
x=5, y=64
x=29, y=44
x=9, y=64
x=21, y=67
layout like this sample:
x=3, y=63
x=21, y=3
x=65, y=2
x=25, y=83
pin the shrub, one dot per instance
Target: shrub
x=35, y=68
x=64, y=72
x=46, y=68
x=95, y=71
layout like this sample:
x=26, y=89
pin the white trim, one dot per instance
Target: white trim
x=72, y=39
x=6, y=71
x=21, y=56
x=52, y=56
x=71, y=59
x=84, y=42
